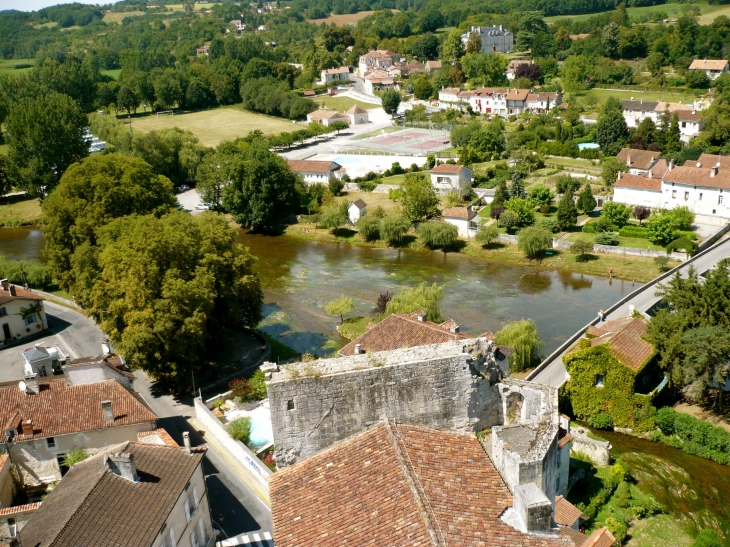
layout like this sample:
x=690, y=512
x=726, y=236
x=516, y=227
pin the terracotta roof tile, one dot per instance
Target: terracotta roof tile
x=459, y=212
x=518, y=94
x=699, y=176
x=20, y=294
x=59, y=409
x=563, y=436
x=17, y=509
x=708, y=64
x=710, y=160
x=638, y=159
x=322, y=114
x=398, y=485
x=310, y=166
x=93, y=506
x=600, y=538
x=642, y=182
x=625, y=338
x=401, y=331
x=578, y=537
x=566, y=514
x=151, y=437
x=447, y=169
x=357, y=109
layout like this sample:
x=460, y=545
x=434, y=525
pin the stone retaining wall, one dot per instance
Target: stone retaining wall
x=385, y=188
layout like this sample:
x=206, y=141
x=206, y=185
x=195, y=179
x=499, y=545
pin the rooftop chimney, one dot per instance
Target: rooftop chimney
x=12, y=290
x=698, y=164
x=31, y=384
x=671, y=165
x=106, y=408
x=454, y=329
x=619, y=174
x=26, y=427
x=649, y=173
x=628, y=160
x=422, y=317
x=358, y=349
x=5, y=284
x=713, y=171
x=122, y=464
x=186, y=442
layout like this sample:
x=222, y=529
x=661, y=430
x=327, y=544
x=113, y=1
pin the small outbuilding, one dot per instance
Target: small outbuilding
x=464, y=218
x=357, y=115
x=356, y=209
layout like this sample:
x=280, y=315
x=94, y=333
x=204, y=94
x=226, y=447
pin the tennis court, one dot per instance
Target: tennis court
x=409, y=141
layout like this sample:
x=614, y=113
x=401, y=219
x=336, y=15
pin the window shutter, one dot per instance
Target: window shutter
x=173, y=541
x=201, y=527
x=187, y=510
x=196, y=500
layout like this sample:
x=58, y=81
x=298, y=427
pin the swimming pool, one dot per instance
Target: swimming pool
x=588, y=146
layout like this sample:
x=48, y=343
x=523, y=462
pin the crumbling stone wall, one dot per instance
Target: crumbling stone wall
x=450, y=386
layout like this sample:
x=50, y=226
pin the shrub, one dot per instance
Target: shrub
x=686, y=234
x=617, y=213
x=544, y=209
x=437, y=234
x=549, y=224
x=335, y=186
x=392, y=229
x=533, y=240
x=634, y=231
x=487, y=234
x=661, y=230
x=378, y=212
x=509, y=219
x=617, y=528
x=682, y=218
x=367, y=185
x=240, y=429
x=601, y=420
x=74, y=456
x=252, y=389
x=661, y=262
x=589, y=228
x=369, y=227
x=581, y=249
x=541, y=195
x=664, y=420
x=606, y=238
x=682, y=243
x=524, y=209
x=622, y=496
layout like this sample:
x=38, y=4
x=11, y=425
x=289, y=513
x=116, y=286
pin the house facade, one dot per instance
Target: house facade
x=714, y=68
x=494, y=39
x=332, y=74
x=376, y=59
x=43, y=360
x=447, y=178
x=356, y=210
x=159, y=500
x=499, y=101
x=464, y=218
x=690, y=121
x=357, y=115
x=316, y=172
x=21, y=313
x=378, y=80
x=326, y=117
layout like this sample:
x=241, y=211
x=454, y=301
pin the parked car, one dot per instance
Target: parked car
x=202, y=206
x=182, y=188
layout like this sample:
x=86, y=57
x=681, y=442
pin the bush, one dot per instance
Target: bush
x=664, y=420
x=240, y=429
x=487, y=234
x=682, y=243
x=601, y=420
x=581, y=249
x=634, y=231
x=589, y=228
x=369, y=227
x=617, y=528
x=544, y=209
x=367, y=185
x=509, y=219
x=252, y=389
x=617, y=213
x=541, y=195
x=550, y=224
x=622, y=496
x=335, y=186
x=661, y=230
x=393, y=229
x=437, y=234
x=533, y=240
x=687, y=234
x=693, y=435
x=524, y=209
x=601, y=225
x=606, y=238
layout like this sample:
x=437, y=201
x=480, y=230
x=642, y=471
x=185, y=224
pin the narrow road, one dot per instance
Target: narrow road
x=554, y=374
x=235, y=506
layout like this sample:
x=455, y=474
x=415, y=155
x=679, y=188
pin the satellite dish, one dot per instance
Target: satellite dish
x=22, y=385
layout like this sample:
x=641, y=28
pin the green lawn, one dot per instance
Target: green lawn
x=633, y=242
x=395, y=179
x=658, y=531
x=114, y=73
x=7, y=66
x=342, y=104
x=18, y=210
x=672, y=10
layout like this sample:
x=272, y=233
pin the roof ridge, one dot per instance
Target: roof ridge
x=423, y=508
x=430, y=324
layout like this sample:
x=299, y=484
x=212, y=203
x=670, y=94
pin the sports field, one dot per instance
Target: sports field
x=410, y=141
x=214, y=126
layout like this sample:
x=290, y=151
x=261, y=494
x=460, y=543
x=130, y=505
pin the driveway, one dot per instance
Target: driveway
x=189, y=200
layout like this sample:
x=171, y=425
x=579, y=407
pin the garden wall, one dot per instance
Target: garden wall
x=624, y=251
x=598, y=451
x=385, y=188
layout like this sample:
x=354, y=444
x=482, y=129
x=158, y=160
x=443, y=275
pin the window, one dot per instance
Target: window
x=51, y=442
x=42, y=370
x=674, y=194
x=196, y=501
x=719, y=200
x=3, y=312
x=30, y=320
x=700, y=198
x=201, y=529
x=194, y=539
x=290, y=404
x=686, y=196
x=173, y=541
x=599, y=380
x=187, y=510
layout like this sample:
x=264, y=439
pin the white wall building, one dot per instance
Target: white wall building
x=494, y=39
x=356, y=209
x=713, y=68
x=43, y=360
x=21, y=313
x=357, y=115
x=464, y=218
x=316, y=172
x=379, y=58
x=447, y=178
x=332, y=74
x=690, y=122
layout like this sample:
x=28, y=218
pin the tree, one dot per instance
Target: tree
x=610, y=40
x=501, y=195
x=369, y=227
x=437, y=234
x=533, y=240
x=517, y=186
x=425, y=47
x=127, y=99
x=682, y=217
x=382, y=303
x=581, y=249
x=617, y=213
x=90, y=195
x=452, y=47
x=671, y=142
x=334, y=216
x=567, y=212
x=168, y=90
x=393, y=229
x=5, y=185
x=509, y=219
x=45, y=136
x=661, y=262
x=262, y=190
x=474, y=43
x=641, y=213
x=391, y=101
x=172, y=152
x=611, y=129
x=706, y=361
x=586, y=201
x=541, y=195
x=487, y=234
x=565, y=184
x=697, y=79
x=166, y=289
x=660, y=230
x=610, y=169
x=338, y=125
x=574, y=73
x=524, y=209
x=419, y=200
x=423, y=297
x=486, y=69
x=340, y=306
x=521, y=336
x=423, y=89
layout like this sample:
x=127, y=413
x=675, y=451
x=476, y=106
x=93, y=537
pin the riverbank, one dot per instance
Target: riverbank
x=19, y=210
x=624, y=267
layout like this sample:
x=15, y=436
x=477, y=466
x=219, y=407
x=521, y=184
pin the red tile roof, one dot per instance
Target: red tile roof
x=566, y=514
x=578, y=537
x=518, y=94
x=357, y=109
x=160, y=434
x=641, y=182
x=710, y=160
x=20, y=294
x=563, y=436
x=625, y=338
x=447, y=169
x=600, y=538
x=699, y=176
x=401, y=330
x=462, y=213
x=708, y=64
x=638, y=159
x=311, y=166
x=59, y=409
x=399, y=485
x=17, y=509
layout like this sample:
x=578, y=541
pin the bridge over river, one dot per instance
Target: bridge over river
x=552, y=370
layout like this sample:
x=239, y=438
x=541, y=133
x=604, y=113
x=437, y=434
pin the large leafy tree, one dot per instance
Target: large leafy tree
x=611, y=129
x=418, y=199
x=91, y=194
x=391, y=101
x=262, y=189
x=46, y=135
x=172, y=152
x=167, y=286
x=522, y=336
x=485, y=68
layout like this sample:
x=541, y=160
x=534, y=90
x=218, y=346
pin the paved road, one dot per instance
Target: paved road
x=235, y=506
x=555, y=374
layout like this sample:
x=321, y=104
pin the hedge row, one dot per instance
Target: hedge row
x=634, y=231
x=692, y=435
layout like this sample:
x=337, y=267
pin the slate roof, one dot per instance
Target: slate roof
x=447, y=169
x=311, y=166
x=94, y=506
x=566, y=514
x=639, y=105
x=462, y=213
x=59, y=409
x=640, y=182
x=708, y=64
x=625, y=338
x=399, y=485
x=401, y=330
x=20, y=294
x=638, y=159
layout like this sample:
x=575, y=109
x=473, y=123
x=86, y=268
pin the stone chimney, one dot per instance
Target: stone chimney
x=649, y=174
x=106, y=408
x=454, y=329
x=12, y=290
x=358, y=349
x=26, y=427
x=713, y=171
x=31, y=384
x=122, y=464
x=628, y=160
x=619, y=175
x=671, y=165
x=5, y=284
x=186, y=442
x=422, y=317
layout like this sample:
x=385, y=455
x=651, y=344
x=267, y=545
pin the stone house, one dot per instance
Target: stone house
x=638, y=162
x=331, y=74
x=713, y=68
x=378, y=80
x=690, y=122
x=433, y=66
x=356, y=209
x=44, y=421
x=494, y=39
x=464, y=218
x=613, y=370
x=238, y=24
x=21, y=313
x=131, y=495
x=376, y=59
x=326, y=117
x=542, y=102
x=43, y=360
x=447, y=178
x=316, y=172
x=357, y=115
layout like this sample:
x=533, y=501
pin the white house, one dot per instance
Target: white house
x=690, y=124
x=494, y=39
x=449, y=95
x=238, y=24
x=43, y=360
x=375, y=59
x=357, y=115
x=21, y=313
x=205, y=50
x=464, y=218
x=356, y=209
x=316, y=172
x=326, y=117
x=332, y=74
x=447, y=178
x=638, y=161
x=713, y=68
x=635, y=190
x=378, y=80
x=542, y=102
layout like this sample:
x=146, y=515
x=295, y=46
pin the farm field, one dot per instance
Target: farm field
x=214, y=126
x=7, y=66
x=342, y=104
x=707, y=12
x=198, y=7
x=116, y=17
x=344, y=19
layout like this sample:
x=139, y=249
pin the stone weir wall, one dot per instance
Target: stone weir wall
x=449, y=386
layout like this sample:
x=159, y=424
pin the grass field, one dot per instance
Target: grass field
x=214, y=126
x=343, y=104
x=708, y=12
x=198, y=7
x=603, y=94
x=344, y=19
x=116, y=17
x=19, y=210
x=114, y=73
x=7, y=66
x=633, y=242
x=373, y=200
